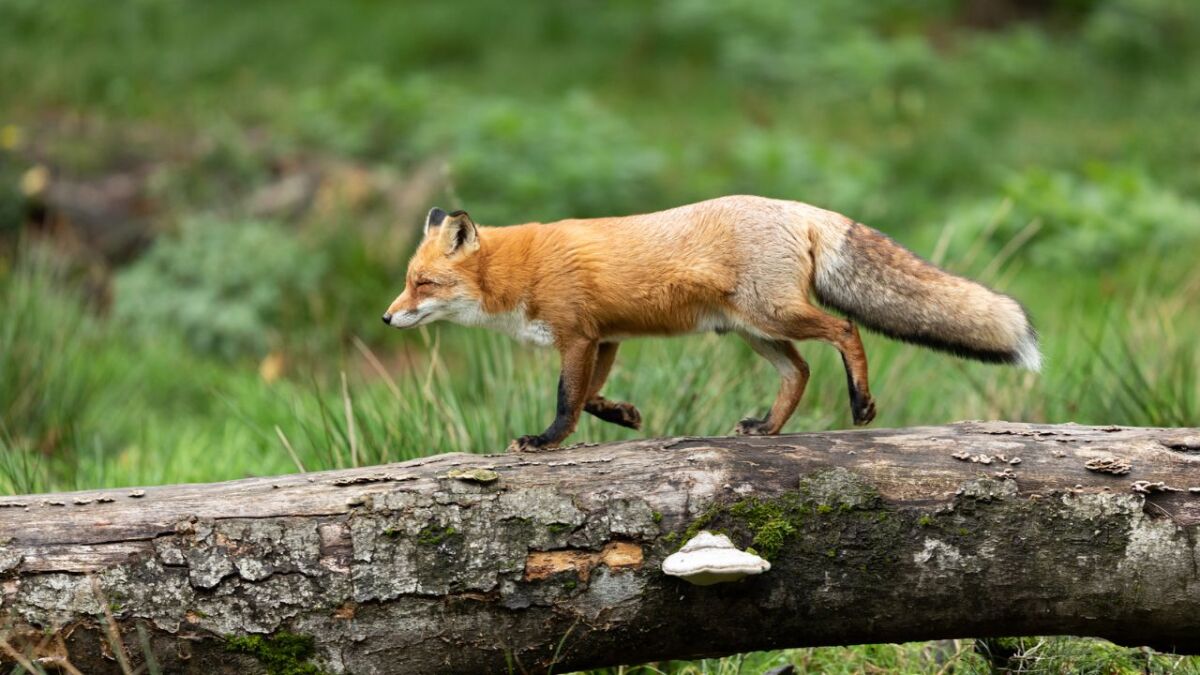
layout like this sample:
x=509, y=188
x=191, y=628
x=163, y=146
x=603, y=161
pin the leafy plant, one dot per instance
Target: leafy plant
x=229, y=288
x=777, y=163
x=1138, y=34
x=367, y=114
x=515, y=162
x=1091, y=219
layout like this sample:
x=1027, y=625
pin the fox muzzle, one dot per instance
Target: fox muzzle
x=406, y=319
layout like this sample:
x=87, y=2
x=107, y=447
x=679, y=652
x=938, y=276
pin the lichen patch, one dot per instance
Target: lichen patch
x=839, y=488
x=988, y=489
x=1156, y=549
x=473, y=475
x=610, y=590
x=944, y=556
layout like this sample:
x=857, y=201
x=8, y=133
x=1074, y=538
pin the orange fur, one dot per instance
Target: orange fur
x=742, y=264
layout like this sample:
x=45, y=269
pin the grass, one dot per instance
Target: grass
x=964, y=657
x=123, y=409
x=1052, y=158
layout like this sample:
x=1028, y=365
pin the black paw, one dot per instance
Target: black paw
x=530, y=444
x=615, y=412
x=863, y=409
x=753, y=427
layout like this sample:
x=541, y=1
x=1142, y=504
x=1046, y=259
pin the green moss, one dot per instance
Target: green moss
x=771, y=535
x=829, y=501
x=656, y=516
x=700, y=523
x=770, y=521
x=925, y=520
x=559, y=528
x=432, y=535
x=283, y=653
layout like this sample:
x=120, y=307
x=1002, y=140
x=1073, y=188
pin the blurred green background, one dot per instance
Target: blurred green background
x=205, y=207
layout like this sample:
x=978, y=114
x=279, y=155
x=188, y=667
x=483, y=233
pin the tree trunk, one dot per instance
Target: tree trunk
x=554, y=561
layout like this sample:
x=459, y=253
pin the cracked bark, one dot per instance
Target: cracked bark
x=883, y=535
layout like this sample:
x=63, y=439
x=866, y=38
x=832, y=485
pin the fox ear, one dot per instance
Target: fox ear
x=458, y=232
x=435, y=218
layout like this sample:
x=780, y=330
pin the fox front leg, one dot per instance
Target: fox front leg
x=619, y=413
x=574, y=383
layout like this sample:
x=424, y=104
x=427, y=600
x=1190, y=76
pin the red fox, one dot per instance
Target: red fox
x=738, y=264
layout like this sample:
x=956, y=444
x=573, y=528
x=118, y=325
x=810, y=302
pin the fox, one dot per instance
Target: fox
x=737, y=264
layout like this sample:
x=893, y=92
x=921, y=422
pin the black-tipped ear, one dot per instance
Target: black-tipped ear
x=434, y=219
x=458, y=232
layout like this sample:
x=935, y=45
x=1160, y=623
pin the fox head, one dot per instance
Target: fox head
x=440, y=283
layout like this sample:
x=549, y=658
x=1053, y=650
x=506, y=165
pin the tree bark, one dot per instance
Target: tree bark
x=874, y=536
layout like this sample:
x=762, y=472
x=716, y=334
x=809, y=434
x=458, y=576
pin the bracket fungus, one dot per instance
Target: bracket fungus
x=1114, y=465
x=709, y=558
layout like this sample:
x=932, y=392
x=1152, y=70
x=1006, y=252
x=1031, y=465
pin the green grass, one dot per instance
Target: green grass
x=1053, y=159
x=964, y=657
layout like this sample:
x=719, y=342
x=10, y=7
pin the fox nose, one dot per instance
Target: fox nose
x=387, y=318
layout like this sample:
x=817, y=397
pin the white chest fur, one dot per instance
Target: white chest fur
x=515, y=323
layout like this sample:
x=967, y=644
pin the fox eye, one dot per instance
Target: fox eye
x=423, y=282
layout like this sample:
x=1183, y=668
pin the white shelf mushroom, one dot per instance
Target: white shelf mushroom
x=709, y=558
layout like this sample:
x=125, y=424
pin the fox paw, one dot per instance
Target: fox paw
x=615, y=412
x=752, y=427
x=863, y=410
x=529, y=444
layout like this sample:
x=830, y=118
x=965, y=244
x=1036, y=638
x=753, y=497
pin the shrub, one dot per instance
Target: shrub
x=777, y=163
x=367, y=115
x=782, y=42
x=1091, y=219
x=228, y=288
x=1137, y=34
x=514, y=162
x=509, y=160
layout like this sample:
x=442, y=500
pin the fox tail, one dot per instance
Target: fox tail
x=887, y=288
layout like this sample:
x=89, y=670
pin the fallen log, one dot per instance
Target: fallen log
x=495, y=563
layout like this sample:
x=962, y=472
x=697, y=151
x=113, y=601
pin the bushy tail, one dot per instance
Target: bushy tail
x=887, y=288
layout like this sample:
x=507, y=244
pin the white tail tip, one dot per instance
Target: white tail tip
x=1028, y=354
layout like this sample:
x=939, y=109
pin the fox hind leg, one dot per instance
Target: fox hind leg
x=802, y=321
x=793, y=376
x=615, y=412
x=854, y=360
x=811, y=323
